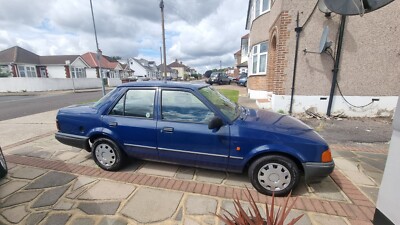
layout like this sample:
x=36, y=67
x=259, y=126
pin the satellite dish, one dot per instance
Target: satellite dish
x=355, y=7
x=322, y=7
x=324, y=43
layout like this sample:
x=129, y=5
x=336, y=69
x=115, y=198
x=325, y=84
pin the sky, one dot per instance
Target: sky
x=200, y=33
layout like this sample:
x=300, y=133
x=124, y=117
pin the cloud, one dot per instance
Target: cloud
x=199, y=33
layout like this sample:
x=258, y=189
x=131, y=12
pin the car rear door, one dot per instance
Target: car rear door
x=183, y=135
x=133, y=122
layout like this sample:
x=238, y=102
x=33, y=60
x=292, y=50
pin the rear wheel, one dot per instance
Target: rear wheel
x=245, y=84
x=108, y=155
x=274, y=174
x=3, y=165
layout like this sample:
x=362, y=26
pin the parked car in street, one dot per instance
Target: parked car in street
x=194, y=125
x=242, y=81
x=218, y=78
x=236, y=79
x=3, y=165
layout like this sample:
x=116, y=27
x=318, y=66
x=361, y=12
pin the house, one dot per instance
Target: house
x=171, y=73
x=183, y=71
x=144, y=68
x=110, y=68
x=19, y=62
x=368, y=72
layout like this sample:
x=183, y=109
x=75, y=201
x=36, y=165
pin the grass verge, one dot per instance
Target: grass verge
x=233, y=95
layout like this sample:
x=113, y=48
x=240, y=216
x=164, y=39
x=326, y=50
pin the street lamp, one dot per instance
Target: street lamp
x=163, y=37
x=68, y=63
x=98, y=52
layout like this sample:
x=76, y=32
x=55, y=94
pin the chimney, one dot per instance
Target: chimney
x=176, y=60
x=181, y=62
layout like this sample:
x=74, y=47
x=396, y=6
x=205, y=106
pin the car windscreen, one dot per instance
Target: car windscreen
x=214, y=75
x=227, y=107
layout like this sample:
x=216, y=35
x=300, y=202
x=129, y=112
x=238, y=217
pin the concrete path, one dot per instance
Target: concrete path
x=50, y=183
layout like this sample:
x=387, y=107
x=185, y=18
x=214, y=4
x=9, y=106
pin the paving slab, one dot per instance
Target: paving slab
x=51, y=179
x=327, y=189
x=8, y=131
x=159, y=169
x=63, y=205
x=210, y=176
x=146, y=201
x=76, y=193
x=21, y=197
x=99, y=208
x=185, y=173
x=80, y=157
x=305, y=219
x=25, y=150
x=359, y=178
x=35, y=218
x=15, y=214
x=371, y=192
x=3, y=181
x=50, y=197
x=107, y=190
x=239, y=180
x=319, y=219
x=82, y=181
x=112, y=221
x=83, y=221
x=64, y=156
x=346, y=165
x=57, y=219
x=377, y=163
x=11, y=187
x=376, y=177
x=200, y=205
x=190, y=221
x=27, y=173
x=229, y=206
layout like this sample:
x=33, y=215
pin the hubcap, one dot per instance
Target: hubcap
x=274, y=177
x=3, y=161
x=105, y=154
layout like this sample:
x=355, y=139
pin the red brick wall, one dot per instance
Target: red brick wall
x=67, y=74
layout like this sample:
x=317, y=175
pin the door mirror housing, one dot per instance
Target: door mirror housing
x=215, y=123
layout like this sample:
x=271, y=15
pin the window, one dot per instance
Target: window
x=136, y=103
x=78, y=72
x=259, y=59
x=21, y=70
x=181, y=106
x=260, y=6
x=27, y=71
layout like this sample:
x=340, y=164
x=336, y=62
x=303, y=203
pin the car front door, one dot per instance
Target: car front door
x=183, y=134
x=132, y=121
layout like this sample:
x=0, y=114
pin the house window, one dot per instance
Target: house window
x=78, y=72
x=259, y=58
x=260, y=7
x=27, y=71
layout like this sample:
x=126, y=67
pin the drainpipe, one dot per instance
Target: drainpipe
x=298, y=30
x=337, y=64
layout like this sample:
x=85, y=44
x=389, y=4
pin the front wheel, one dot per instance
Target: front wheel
x=274, y=174
x=3, y=165
x=108, y=155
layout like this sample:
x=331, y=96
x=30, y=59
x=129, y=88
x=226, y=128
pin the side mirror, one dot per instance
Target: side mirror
x=215, y=123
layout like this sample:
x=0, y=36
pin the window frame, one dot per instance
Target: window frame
x=181, y=90
x=32, y=71
x=258, y=55
x=124, y=96
x=259, y=5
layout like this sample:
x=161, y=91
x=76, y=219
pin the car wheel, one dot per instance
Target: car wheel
x=220, y=82
x=3, y=165
x=229, y=82
x=107, y=154
x=274, y=174
x=245, y=84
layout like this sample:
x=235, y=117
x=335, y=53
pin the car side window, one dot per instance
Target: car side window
x=182, y=106
x=136, y=103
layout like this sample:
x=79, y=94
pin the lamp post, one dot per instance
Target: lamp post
x=68, y=63
x=163, y=37
x=98, y=52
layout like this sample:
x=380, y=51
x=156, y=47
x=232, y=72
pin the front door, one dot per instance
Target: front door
x=183, y=134
x=132, y=121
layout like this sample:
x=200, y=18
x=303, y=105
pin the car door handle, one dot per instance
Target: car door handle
x=112, y=124
x=168, y=129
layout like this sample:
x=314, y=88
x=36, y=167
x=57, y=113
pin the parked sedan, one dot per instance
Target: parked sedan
x=3, y=165
x=195, y=125
x=242, y=81
x=218, y=78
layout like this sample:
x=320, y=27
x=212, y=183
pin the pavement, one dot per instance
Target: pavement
x=51, y=183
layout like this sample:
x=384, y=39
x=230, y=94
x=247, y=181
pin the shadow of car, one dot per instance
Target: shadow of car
x=3, y=165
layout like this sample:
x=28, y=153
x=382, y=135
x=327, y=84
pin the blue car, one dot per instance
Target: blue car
x=242, y=81
x=195, y=125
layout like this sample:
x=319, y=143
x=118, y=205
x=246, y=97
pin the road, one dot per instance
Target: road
x=17, y=105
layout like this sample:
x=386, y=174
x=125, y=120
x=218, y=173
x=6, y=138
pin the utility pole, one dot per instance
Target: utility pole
x=163, y=37
x=98, y=52
x=220, y=64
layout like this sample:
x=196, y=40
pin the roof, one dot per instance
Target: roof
x=247, y=17
x=91, y=59
x=239, y=52
x=146, y=67
x=246, y=36
x=243, y=64
x=161, y=68
x=164, y=84
x=57, y=59
x=177, y=64
x=18, y=55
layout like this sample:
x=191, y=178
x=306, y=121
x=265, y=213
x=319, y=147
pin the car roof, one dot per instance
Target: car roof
x=169, y=84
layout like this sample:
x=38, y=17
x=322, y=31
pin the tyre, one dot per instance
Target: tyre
x=245, y=84
x=229, y=82
x=274, y=174
x=220, y=82
x=108, y=155
x=3, y=165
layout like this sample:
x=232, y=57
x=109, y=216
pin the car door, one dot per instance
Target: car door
x=132, y=120
x=183, y=134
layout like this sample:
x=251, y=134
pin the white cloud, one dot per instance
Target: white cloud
x=199, y=33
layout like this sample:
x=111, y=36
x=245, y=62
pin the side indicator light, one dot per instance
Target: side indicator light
x=237, y=148
x=326, y=156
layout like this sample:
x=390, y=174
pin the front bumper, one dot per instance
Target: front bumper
x=73, y=140
x=315, y=172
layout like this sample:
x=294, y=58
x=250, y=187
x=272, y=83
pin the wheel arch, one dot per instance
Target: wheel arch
x=96, y=134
